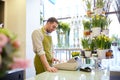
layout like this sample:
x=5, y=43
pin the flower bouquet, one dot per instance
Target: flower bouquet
x=8, y=46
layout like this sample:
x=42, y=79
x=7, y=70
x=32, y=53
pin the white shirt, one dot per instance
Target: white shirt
x=37, y=38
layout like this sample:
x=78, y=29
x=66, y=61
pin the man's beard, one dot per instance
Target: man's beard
x=48, y=31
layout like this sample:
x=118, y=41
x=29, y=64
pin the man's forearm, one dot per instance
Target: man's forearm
x=46, y=64
x=44, y=61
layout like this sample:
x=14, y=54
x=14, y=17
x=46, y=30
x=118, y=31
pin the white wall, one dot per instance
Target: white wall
x=22, y=17
x=32, y=22
x=15, y=20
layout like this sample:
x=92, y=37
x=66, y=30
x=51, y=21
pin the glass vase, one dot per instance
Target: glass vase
x=62, y=39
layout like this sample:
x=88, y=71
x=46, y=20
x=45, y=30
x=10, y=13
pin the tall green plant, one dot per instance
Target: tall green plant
x=88, y=4
x=100, y=3
x=86, y=43
x=87, y=25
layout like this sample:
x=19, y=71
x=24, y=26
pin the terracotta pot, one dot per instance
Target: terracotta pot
x=89, y=13
x=108, y=54
x=86, y=32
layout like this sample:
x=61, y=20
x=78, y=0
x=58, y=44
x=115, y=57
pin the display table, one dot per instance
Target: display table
x=73, y=75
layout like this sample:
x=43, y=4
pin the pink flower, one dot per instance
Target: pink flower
x=16, y=44
x=0, y=49
x=20, y=63
x=3, y=40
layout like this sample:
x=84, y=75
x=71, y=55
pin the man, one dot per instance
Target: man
x=42, y=46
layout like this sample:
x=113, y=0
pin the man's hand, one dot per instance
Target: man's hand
x=55, y=60
x=46, y=64
x=51, y=69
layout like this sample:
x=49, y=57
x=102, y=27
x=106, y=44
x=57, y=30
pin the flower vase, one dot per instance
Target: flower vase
x=102, y=53
x=60, y=39
x=63, y=39
x=67, y=38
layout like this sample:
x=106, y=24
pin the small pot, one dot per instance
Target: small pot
x=87, y=53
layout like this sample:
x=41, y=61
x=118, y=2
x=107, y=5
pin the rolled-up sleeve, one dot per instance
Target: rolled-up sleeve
x=37, y=38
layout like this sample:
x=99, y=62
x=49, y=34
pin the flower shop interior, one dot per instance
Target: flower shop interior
x=87, y=28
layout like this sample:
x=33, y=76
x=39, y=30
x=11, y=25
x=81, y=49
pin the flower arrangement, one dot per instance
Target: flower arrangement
x=100, y=21
x=8, y=46
x=63, y=26
x=103, y=42
x=63, y=29
x=75, y=54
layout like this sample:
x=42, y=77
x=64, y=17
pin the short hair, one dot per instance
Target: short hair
x=52, y=19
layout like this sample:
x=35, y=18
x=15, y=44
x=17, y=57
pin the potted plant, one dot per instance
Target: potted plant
x=86, y=44
x=87, y=26
x=74, y=54
x=99, y=23
x=88, y=5
x=103, y=44
x=100, y=3
x=99, y=6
